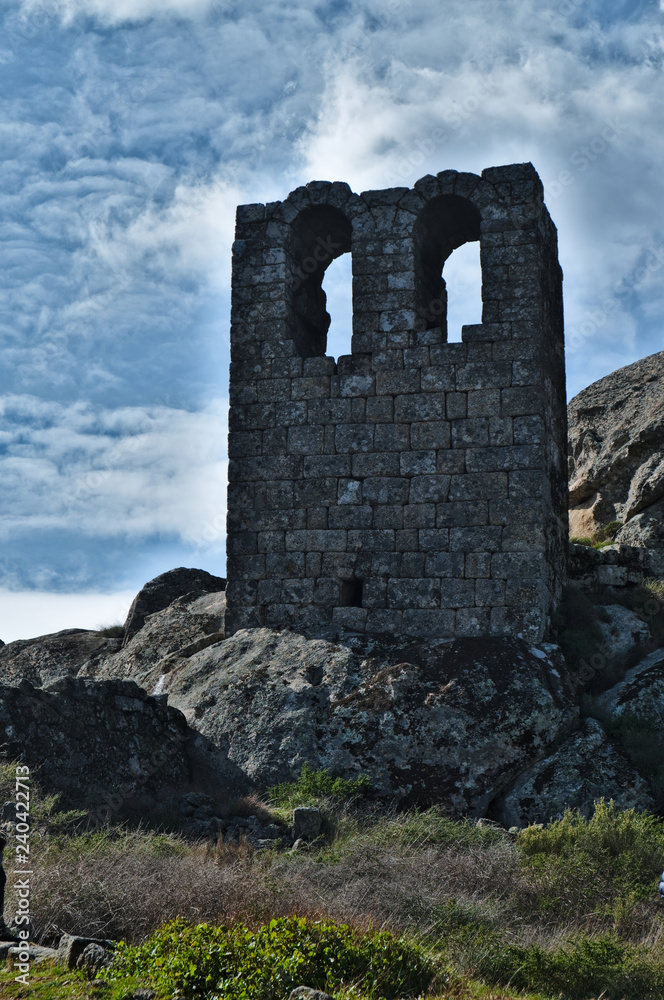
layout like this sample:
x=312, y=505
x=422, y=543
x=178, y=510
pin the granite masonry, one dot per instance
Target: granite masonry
x=414, y=486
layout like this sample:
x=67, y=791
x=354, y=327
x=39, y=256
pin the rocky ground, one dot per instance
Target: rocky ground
x=176, y=719
x=171, y=708
x=616, y=457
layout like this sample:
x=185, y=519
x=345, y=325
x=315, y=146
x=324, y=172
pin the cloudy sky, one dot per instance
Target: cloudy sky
x=130, y=130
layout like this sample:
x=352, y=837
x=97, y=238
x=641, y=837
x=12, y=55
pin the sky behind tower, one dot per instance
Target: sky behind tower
x=130, y=131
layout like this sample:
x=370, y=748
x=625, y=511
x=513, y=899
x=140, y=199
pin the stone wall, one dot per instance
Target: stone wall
x=415, y=486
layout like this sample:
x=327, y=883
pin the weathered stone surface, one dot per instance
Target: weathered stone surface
x=93, y=958
x=157, y=594
x=38, y=953
x=44, y=659
x=167, y=637
x=585, y=768
x=306, y=993
x=71, y=947
x=448, y=722
x=647, y=529
x=328, y=462
x=616, y=463
x=307, y=822
x=623, y=631
x=99, y=744
x=641, y=691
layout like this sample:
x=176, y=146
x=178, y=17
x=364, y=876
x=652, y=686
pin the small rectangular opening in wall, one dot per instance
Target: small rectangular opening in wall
x=351, y=593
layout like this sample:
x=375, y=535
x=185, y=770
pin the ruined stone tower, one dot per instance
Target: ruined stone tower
x=415, y=486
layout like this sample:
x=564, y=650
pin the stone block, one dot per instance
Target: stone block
x=422, y=593
x=428, y=489
x=419, y=515
x=458, y=514
x=307, y=823
x=389, y=516
x=475, y=539
x=385, y=489
x=434, y=434
x=444, y=564
x=351, y=438
x=428, y=624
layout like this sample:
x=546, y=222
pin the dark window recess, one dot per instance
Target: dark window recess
x=351, y=593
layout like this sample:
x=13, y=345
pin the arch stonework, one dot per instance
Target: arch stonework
x=414, y=486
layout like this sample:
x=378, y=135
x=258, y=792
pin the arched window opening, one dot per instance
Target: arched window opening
x=337, y=287
x=463, y=277
x=446, y=222
x=320, y=235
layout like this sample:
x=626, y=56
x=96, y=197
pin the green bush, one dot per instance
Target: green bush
x=584, y=862
x=199, y=962
x=315, y=786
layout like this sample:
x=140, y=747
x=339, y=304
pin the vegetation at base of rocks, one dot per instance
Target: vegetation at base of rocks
x=45, y=812
x=563, y=910
x=319, y=787
x=114, y=630
x=266, y=963
x=603, y=537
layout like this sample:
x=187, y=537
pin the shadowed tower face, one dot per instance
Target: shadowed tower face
x=413, y=486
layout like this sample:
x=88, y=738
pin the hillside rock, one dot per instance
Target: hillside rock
x=623, y=630
x=585, y=768
x=48, y=657
x=157, y=594
x=640, y=692
x=101, y=744
x=616, y=449
x=168, y=637
x=450, y=722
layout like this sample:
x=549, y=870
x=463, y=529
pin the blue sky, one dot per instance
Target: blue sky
x=129, y=132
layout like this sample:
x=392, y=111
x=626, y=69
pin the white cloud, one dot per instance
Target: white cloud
x=132, y=472
x=117, y=11
x=26, y=614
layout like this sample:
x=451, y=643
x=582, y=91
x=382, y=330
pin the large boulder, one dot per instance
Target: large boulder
x=157, y=594
x=449, y=722
x=586, y=767
x=100, y=745
x=168, y=637
x=640, y=692
x=616, y=454
x=44, y=659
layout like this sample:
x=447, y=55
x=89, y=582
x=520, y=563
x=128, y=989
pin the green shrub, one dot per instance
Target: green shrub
x=315, y=786
x=198, y=962
x=113, y=631
x=585, y=861
x=419, y=829
x=581, y=540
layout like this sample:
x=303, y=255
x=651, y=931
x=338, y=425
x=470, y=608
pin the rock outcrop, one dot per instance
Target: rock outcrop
x=168, y=638
x=476, y=725
x=616, y=449
x=157, y=594
x=586, y=767
x=449, y=722
x=640, y=693
x=100, y=745
x=48, y=657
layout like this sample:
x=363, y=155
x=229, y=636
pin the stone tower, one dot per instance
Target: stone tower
x=414, y=486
